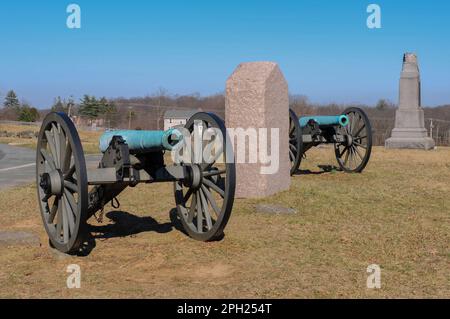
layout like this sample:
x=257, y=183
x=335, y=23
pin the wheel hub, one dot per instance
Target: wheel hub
x=52, y=183
x=349, y=140
x=195, y=177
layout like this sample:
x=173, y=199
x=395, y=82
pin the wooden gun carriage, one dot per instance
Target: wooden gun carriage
x=69, y=194
x=350, y=133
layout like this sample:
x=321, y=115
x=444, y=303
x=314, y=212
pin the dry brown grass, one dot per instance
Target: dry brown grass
x=24, y=142
x=88, y=139
x=18, y=128
x=396, y=214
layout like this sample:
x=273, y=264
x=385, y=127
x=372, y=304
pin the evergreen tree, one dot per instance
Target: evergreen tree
x=35, y=114
x=28, y=113
x=103, y=105
x=89, y=107
x=59, y=105
x=92, y=108
x=11, y=101
x=109, y=110
x=107, y=107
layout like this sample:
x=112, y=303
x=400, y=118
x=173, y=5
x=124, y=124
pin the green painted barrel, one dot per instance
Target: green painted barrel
x=143, y=141
x=333, y=120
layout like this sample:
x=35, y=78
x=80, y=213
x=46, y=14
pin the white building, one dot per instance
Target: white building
x=174, y=118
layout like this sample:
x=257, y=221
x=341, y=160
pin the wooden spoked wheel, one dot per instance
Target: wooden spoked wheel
x=62, y=183
x=354, y=153
x=205, y=199
x=295, y=142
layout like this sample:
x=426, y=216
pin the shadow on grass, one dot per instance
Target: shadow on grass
x=124, y=225
x=324, y=169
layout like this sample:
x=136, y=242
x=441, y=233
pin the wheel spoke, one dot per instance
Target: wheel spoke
x=67, y=159
x=360, y=145
x=197, y=143
x=357, y=152
x=211, y=200
x=51, y=144
x=63, y=145
x=192, y=209
x=187, y=196
x=199, y=214
x=216, y=188
x=351, y=118
x=71, y=186
x=48, y=159
x=214, y=173
x=343, y=151
x=55, y=134
x=69, y=214
x=360, y=130
x=53, y=211
x=346, y=156
x=70, y=172
x=348, y=128
x=352, y=157
x=206, y=210
x=355, y=123
x=73, y=204
x=207, y=166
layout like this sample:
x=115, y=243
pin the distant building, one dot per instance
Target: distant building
x=174, y=118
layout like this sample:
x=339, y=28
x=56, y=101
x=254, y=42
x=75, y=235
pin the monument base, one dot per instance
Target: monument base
x=425, y=143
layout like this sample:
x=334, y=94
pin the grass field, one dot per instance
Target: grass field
x=89, y=139
x=396, y=214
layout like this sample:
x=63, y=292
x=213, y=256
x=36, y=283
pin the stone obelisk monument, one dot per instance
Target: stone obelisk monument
x=409, y=131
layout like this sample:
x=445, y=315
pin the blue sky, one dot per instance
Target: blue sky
x=131, y=48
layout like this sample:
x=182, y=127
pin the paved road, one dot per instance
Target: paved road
x=17, y=165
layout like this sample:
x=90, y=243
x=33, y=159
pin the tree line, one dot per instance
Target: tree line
x=89, y=107
x=21, y=111
x=148, y=112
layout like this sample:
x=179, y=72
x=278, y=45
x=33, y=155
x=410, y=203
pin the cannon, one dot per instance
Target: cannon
x=350, y=132
x=69, y=194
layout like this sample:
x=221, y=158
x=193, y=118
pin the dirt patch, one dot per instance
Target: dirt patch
x=18, y=238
